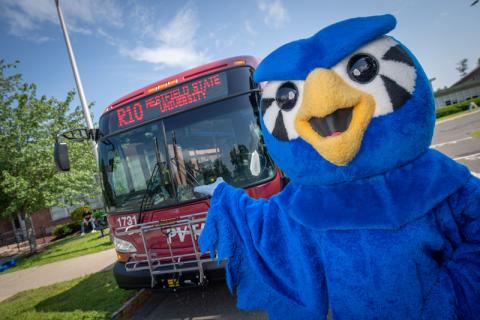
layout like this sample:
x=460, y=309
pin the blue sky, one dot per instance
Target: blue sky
x=124, y=45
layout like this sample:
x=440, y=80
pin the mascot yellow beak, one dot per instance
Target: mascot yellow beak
x=333, y=116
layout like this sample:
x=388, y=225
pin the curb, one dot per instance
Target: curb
x=132, y=305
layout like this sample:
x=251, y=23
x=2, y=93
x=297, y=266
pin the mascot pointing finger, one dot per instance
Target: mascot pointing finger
x=374, y=224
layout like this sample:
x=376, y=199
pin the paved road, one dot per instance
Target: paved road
x=452, y=137
x=213, y=302
x=31, y=278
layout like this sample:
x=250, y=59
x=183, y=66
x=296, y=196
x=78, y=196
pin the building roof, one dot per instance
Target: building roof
x=472, y=75
x=472, y=79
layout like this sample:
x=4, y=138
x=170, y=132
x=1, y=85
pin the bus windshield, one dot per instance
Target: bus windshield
x=221, y=139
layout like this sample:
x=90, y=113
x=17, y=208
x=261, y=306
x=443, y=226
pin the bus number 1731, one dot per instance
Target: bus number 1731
x=126, y=221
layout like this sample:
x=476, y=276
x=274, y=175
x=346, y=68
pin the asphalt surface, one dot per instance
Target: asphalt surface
x=210, y=303
x=452, y=137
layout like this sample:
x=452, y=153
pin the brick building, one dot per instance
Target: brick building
x=44, y=221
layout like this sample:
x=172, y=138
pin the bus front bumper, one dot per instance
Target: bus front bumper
x=141, y=278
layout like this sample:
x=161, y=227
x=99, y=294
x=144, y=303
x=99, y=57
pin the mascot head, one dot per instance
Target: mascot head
x=345, y=104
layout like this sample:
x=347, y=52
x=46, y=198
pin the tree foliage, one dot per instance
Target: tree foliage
x=462, y=67
x=29, y=180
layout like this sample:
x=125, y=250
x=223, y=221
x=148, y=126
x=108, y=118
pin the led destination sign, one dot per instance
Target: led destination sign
x=168, y=102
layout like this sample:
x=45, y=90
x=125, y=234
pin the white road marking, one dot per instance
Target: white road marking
x=470, y=157
x=438, y=145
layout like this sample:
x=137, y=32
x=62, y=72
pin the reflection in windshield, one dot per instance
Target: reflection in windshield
x=216, y=141
x=127, y=162
x=222, y=139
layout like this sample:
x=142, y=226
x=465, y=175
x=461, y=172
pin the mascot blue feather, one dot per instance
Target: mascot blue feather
x=374, y=224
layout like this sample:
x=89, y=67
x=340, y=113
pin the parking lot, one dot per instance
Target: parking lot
x=454, y=138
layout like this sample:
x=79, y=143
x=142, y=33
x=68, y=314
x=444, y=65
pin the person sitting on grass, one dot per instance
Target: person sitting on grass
x=87, y=219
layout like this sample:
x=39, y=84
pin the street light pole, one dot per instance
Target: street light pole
x=78, y=81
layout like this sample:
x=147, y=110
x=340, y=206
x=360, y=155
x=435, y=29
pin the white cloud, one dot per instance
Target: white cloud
x=170, y=43
x=275, y=13
x=249, y=28
x=181, y=30
x=175, y=42
x=40, y=39
x=169, y=56
x=26, y=18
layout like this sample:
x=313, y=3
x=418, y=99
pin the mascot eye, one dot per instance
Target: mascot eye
x=362, y=68
x=279, y=106
x=286, y=96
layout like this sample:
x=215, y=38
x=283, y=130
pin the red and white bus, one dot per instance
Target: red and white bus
x=159, y=142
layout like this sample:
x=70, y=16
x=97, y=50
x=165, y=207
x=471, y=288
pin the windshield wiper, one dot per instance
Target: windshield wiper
x=148, y=197
x=175, y=161
x=186, y=172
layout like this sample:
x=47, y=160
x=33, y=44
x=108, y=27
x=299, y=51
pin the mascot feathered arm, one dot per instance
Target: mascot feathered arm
x=253, y=237
x=462, y=254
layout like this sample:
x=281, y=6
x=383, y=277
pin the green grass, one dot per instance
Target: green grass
x=476, y=134
x=91, y=297
x=66, y=248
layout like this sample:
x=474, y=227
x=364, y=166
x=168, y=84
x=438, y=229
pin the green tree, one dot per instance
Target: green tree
x=29, y=180
x=462, y=67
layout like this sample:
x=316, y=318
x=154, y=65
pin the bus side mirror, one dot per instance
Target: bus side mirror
x=60, y=154
x=77, y=135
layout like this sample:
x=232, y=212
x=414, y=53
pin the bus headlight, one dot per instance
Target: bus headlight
x=123, y=245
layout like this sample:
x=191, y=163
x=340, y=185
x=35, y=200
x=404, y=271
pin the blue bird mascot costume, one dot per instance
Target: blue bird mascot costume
x=374, y=224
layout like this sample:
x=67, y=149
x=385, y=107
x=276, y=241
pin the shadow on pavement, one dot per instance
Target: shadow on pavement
x=212, y=302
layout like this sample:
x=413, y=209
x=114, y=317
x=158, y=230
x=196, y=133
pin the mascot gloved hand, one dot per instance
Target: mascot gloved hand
x=209, y=189
x=374, y=224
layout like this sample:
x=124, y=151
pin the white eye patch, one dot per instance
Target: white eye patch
x=393, y=81
x=279, y=105
x=382, y=68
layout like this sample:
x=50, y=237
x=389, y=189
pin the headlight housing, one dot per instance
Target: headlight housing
x=123, y=245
